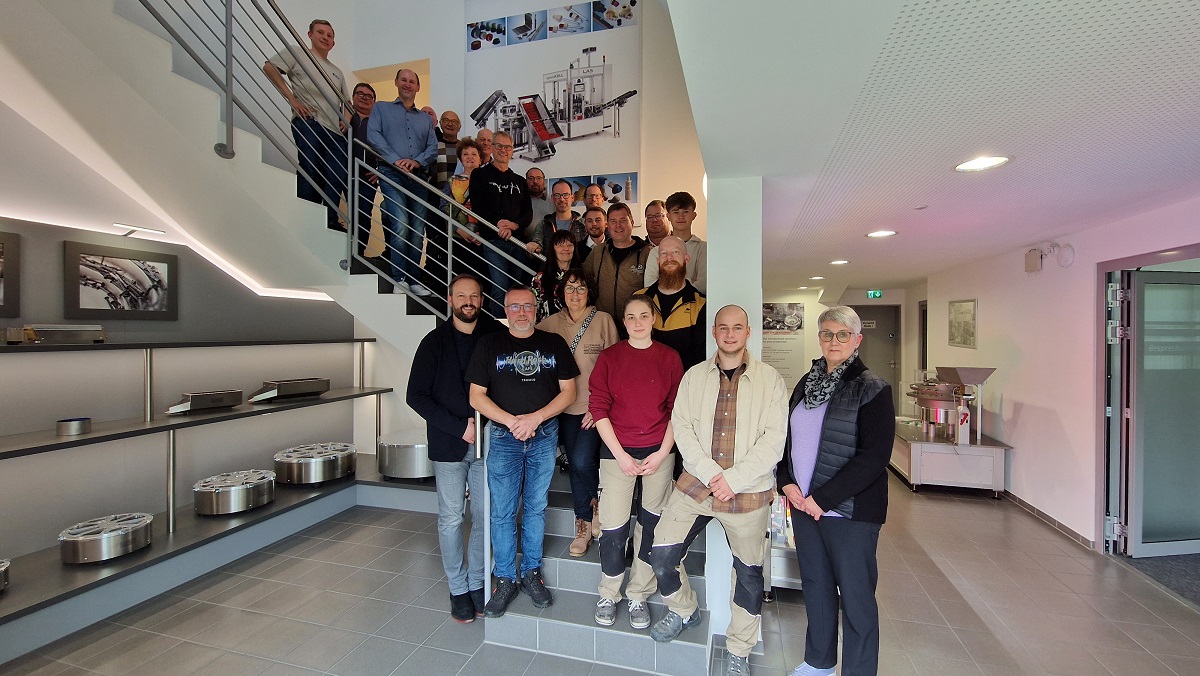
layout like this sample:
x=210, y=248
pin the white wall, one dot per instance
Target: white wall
x=1042, y=333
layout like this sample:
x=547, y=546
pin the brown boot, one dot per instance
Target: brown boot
x=596, y=518
x=583, y=538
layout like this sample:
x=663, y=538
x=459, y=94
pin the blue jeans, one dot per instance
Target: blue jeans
x=519, y=472
x=452, y=480
x=322, y=155
x=403, y=220
x=504, y=273
x=583, y=454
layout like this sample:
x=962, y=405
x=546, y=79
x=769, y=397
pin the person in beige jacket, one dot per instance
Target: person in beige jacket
x=587, y=332
x=730, y=424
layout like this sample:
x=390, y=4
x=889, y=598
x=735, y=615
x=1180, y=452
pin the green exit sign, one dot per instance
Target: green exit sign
x=874, y=293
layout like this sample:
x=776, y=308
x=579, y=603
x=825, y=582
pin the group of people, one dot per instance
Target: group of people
x=604, y=355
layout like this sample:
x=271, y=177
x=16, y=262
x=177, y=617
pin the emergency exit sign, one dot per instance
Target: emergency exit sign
x=874, y=293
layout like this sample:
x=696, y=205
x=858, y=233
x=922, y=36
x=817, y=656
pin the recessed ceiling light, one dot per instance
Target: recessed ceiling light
x=817, y=278
x=838, y=262
x=920, y=207
x=881, y=233
x=981, y=163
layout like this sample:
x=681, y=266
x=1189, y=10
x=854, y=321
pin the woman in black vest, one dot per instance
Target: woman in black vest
x=834, y=474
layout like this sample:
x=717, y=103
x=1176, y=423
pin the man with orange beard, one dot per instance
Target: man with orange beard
x=679, y=321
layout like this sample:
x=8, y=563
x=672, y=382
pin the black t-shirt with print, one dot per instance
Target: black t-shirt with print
x=521, y=374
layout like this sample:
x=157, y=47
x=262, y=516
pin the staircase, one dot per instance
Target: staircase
x=568, y=627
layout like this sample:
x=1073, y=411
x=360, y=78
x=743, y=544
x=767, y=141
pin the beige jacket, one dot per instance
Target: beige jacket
x=761, y=428
x=601, y=333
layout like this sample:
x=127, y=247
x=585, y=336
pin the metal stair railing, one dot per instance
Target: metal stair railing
x=232, y=41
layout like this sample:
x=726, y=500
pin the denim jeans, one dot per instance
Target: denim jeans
x=519, y=472
x=322, y=155
x=403, y=220
x=452, y=480
x=504, y=273
x=583, y=454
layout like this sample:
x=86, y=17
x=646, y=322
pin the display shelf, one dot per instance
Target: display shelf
x=44, y=441
x=89, y=347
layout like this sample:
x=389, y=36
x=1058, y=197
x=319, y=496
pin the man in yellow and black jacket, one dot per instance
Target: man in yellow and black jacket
x=679, y=317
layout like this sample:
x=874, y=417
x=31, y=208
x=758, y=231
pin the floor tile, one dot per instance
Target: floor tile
x=426, y=660
x=376, y=656
x=325, y=648
x=413, y=624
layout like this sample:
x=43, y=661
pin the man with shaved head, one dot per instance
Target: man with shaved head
x=730, y=423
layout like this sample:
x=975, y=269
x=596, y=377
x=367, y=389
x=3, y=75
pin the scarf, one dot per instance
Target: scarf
x=821, y=384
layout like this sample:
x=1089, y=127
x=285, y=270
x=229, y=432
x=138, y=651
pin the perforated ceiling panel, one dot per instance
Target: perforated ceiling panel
x=1097, y=101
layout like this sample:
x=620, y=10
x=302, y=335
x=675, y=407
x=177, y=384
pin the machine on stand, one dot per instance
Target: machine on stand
x=944, y=402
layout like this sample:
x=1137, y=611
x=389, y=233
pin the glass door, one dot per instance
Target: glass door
x=1163, y=463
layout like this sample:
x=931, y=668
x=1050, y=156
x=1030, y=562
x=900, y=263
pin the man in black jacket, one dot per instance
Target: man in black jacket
x=437, y=391
x=500, y=197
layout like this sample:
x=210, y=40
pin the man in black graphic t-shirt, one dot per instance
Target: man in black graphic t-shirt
x=520, y=380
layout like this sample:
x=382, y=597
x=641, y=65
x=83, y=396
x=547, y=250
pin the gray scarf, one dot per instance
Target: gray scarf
x=821, y=384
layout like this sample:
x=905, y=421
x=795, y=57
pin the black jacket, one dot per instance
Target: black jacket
x=438, y=392
x=855, y=446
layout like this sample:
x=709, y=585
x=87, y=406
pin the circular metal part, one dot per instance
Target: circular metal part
x=930, y=395
x=70, y=427
x=3, y=574
x=315, y=463
x=234, y=492
x=105, y=538
x=404, y=455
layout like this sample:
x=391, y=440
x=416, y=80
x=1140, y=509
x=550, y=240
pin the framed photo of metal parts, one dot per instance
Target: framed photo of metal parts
x=10, y=274
x=106, y=282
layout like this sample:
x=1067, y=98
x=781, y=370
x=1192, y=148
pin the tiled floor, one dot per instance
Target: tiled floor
x=968, y=585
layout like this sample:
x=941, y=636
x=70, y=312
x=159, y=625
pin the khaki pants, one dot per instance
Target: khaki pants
x=616, y=491
x=682, y=521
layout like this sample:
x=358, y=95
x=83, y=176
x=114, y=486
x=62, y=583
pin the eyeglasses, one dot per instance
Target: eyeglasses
x=655, y=217
x=365, y=94
x=575, y=289
x=518, y=307
x=827, y=336
x=450, y=121
x=559, y=196
x=502, y=146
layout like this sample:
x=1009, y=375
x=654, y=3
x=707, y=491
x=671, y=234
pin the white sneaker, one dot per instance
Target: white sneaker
x=400, y=288
x=805, y=669
x=418, y=290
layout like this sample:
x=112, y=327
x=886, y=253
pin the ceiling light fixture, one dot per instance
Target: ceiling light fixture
x=137, y=228
x=838, y=262
x=881, y=233
x=817, y=278
x=981, y=163
x=802, y=287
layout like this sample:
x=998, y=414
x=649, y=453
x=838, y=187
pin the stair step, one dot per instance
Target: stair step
x=583, y=575
x=568, y=628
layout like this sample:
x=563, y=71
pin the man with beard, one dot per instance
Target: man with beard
x=520, y=380
x=681, y=211
x=595, y=222
x=679, y=322
x=535, y=183
x=437, y=391
x=616, y=270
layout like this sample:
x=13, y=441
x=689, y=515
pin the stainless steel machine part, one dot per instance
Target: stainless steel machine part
x=405, y=455
x=315, y=463
x=234, y=492
x=70, y=427
x=105, y=538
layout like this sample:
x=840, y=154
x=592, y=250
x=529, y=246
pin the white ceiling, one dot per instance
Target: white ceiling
x=869, y=104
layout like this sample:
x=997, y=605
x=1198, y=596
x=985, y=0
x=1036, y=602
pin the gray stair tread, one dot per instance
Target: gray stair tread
x=579, y=609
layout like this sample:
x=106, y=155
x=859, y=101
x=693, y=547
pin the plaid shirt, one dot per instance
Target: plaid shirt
x=444, y=164
x=724, y=425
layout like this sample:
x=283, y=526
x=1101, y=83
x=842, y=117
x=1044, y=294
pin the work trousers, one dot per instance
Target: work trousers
x=681, y=522
x=837, y=554
x=617, y=490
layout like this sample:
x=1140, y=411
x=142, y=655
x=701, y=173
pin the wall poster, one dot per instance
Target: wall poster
x=10, y=274
x=783, y=340
x=563, y=80
x=106, y=282
x=962, y=323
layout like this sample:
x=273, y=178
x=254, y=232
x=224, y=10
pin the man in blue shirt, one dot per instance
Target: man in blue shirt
x=404, y=136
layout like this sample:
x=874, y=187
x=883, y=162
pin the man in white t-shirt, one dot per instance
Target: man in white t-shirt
x=318, y=117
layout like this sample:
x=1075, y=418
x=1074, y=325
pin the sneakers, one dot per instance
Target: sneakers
x=418, y=290
x=533, y=585
x=738, y=666
x=596, y=518
x=666, y=629
x=401, y=287
x=805, y=669
x=502, y=595
x=462, y=609
x=477, y=601
x=639, y=614
x=606, y=612
x=583, y=538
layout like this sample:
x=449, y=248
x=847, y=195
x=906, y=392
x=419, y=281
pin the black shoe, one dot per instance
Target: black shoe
x=502, y=595
x=462, y=609
x=533, y=585
x=477, y=601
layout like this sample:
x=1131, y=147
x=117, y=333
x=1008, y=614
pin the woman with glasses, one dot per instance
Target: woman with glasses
x=545, y=282
x=834, y=474
x=633, y=392
x=467, y=250
x=587, y=332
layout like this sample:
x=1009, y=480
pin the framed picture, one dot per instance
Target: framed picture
x=10, y=274
x=962, y=323
x=106, y=282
